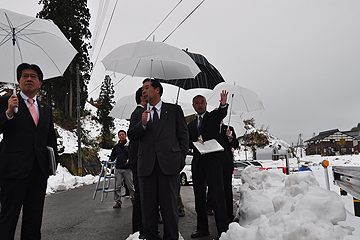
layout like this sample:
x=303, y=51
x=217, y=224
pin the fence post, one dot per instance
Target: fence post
x=325, y=164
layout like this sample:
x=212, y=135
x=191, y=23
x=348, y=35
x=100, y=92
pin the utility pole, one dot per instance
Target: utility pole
x=78, y=121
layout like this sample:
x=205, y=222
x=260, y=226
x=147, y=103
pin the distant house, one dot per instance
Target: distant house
x=334, y=142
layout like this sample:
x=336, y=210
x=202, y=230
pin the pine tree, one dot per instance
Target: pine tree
x=253, y=137
x=105, y=104
x=72, y=17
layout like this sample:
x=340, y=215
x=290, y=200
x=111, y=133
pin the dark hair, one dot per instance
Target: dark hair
x=138, y=95
x=155, y=84
x=121, y=131
x=198, y=96
x=25, y=66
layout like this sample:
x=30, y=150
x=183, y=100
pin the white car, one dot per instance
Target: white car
x=185, y=174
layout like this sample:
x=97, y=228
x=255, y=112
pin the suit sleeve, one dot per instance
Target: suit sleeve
x=3, y=118
x=221, y=112
x=182, y=132
x=135, y=128
x=51, y=139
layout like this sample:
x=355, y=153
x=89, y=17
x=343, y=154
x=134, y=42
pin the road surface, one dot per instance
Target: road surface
x=73, y=215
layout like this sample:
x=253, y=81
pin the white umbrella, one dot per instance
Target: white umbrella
x=237, y=123
x=32, y=40
x=151, y=59
x=240, y=99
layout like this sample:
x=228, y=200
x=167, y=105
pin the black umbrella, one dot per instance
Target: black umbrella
x=208, y=78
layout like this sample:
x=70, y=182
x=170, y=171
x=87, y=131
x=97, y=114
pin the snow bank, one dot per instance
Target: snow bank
x=63, y=181
x=290, y=207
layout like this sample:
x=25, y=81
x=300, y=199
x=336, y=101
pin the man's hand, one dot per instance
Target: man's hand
x=13, y=102
x=144, y=119
x=223, y=97
x=201, y=142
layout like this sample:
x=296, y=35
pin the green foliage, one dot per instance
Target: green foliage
x=105, y=104
x=72, y=17
x=62, y=121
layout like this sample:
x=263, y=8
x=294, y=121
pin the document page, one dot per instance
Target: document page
x=209, y=146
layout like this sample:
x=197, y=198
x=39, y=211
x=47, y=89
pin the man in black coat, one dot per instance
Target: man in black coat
x=229, y=137
x=163, y=144
x=134, y=147
x=24, y=162
x=207, y=169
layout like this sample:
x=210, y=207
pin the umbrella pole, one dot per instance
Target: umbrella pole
x=232, y=98
x=14, y=89
x=148, y=105
x=177, y=98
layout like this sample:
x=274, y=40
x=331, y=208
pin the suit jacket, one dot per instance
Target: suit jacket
x=210, y=130
x=134, y=145
x=169, y=143
x=228, y=146
x=24, y=142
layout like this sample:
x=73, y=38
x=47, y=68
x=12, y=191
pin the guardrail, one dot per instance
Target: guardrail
x=348, y=178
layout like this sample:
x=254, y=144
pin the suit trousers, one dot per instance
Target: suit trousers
x=136, y=214
x=159, y=189
x=28, y=193
x=205, y=174
x=227, y=174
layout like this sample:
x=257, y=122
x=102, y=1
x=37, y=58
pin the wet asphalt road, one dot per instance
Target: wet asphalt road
x=73, y=215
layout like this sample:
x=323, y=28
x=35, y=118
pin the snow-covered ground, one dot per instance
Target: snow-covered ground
x=273, y=205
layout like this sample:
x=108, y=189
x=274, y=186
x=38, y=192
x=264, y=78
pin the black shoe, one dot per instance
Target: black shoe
x=199, y=234
x=142, y=236
x=210, y=212
x=181, y=213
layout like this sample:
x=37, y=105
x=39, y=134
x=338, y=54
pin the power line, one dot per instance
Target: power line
x=102, y=43
x=99, y=22
x=184, y=19
x=164, y=19
x=154, y=31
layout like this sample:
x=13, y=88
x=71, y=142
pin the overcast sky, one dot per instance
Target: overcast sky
x=301, y=57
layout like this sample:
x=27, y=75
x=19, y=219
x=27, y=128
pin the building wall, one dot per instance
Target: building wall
x=328, y=148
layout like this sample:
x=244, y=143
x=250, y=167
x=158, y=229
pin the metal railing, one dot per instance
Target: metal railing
x=348, y=178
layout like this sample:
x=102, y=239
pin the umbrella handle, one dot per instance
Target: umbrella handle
x=16, y=109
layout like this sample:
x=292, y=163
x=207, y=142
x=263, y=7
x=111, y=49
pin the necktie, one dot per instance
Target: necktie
x=155, y=116
x=33, y=110
x=200, y=123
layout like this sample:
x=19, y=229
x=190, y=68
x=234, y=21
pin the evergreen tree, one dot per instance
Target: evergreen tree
x=105, y=104
x=253, y=137
x=72, y=17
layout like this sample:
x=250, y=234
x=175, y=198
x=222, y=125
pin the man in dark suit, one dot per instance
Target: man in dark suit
x=163, y=144
x=134, y=147
x=24, y=164
x=229, y=137
x=207, y=169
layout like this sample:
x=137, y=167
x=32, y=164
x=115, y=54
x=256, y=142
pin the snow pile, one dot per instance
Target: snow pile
x=63, y=181
x=277, y=206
